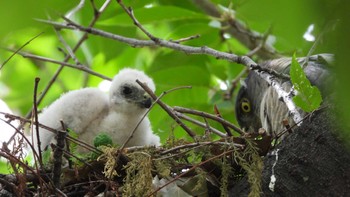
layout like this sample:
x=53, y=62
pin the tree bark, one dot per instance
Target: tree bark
x=312, y=161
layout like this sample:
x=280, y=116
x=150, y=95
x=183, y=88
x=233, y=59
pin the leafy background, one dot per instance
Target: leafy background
x=287, y=20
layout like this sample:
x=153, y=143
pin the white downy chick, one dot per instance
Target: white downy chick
x=89, y=112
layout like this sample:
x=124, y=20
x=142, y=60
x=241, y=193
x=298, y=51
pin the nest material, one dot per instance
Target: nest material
x=130, y=172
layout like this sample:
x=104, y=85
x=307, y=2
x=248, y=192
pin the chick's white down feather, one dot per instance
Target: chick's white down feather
x=90, y=111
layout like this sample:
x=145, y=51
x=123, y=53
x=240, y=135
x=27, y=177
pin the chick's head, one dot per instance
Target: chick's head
x=126, y=95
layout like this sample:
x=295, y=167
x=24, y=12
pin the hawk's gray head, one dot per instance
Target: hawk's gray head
x=126, y=95
x=258, y=105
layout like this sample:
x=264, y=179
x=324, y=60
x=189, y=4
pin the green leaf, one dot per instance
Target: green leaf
x=152, y=15
x=308, y=97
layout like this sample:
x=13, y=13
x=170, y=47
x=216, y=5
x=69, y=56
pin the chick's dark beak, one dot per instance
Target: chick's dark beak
x=146, y=102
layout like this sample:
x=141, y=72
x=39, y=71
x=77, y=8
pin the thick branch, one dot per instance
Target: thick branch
x=245, y=60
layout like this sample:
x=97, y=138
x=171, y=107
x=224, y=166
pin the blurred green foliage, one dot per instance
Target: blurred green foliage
x=288, y=20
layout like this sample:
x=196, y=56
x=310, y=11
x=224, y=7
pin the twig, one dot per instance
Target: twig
x=245, y=60
x=238, y=30
x=20, y=48
x=94, y=7
x=58, y=71
x=261, y=44
x=287, y=126
x=81, y=40
x=10, y=186
x=210, y=116
x=35, y=154
x=270, y=71
x=76, y=9
x=185, y=39
x=207, y=127
x=20, y=133
x=35, y=108
x=229, y=92
x=130, y=12
x=84, y=144
x=199, y=123
x=189, y=170
x=67, y=149
x=138, y=124
x=298, y=123
x=68, y=49
x=11, y=157
x=81, y=143
x=69, y=154
x=167, y=109
x=78, y=67
x=197, y=144
x=217, y=112
x=57, y=156
x=60, y=192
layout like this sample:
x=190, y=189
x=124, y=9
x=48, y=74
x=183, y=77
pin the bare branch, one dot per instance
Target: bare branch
x=218, y=114
x=80, y=143
x=271, y=72
x=210, y=116
x=245, y=60
x=247, y=37
x=78, y=67
x=186, y=39
x=57, y=156
x=199, y=123
x=68, y=49
x=198, y=144
x=20, y=48
x=130, y=12
x=36, y=120
x=10, y=157
x=191, y=169
x=168, y=109
x=168, y=44
x=232, y=87
x=163, y=94
x=53, y=79
x=76, y=9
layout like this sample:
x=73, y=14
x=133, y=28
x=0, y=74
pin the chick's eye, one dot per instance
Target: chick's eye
x=127, y=90
x=245, y=106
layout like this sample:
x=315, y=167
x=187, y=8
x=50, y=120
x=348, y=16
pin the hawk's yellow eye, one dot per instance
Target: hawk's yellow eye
x=245, y=105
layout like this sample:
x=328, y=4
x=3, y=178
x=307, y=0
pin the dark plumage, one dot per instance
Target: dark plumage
x=258, y=105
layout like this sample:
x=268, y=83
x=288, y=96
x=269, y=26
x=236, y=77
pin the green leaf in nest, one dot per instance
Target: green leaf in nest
x=308, y=97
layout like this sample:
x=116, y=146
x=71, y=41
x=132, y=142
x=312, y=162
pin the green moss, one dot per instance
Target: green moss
x=103, y=139
x=252, y=163
x=138, y=180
